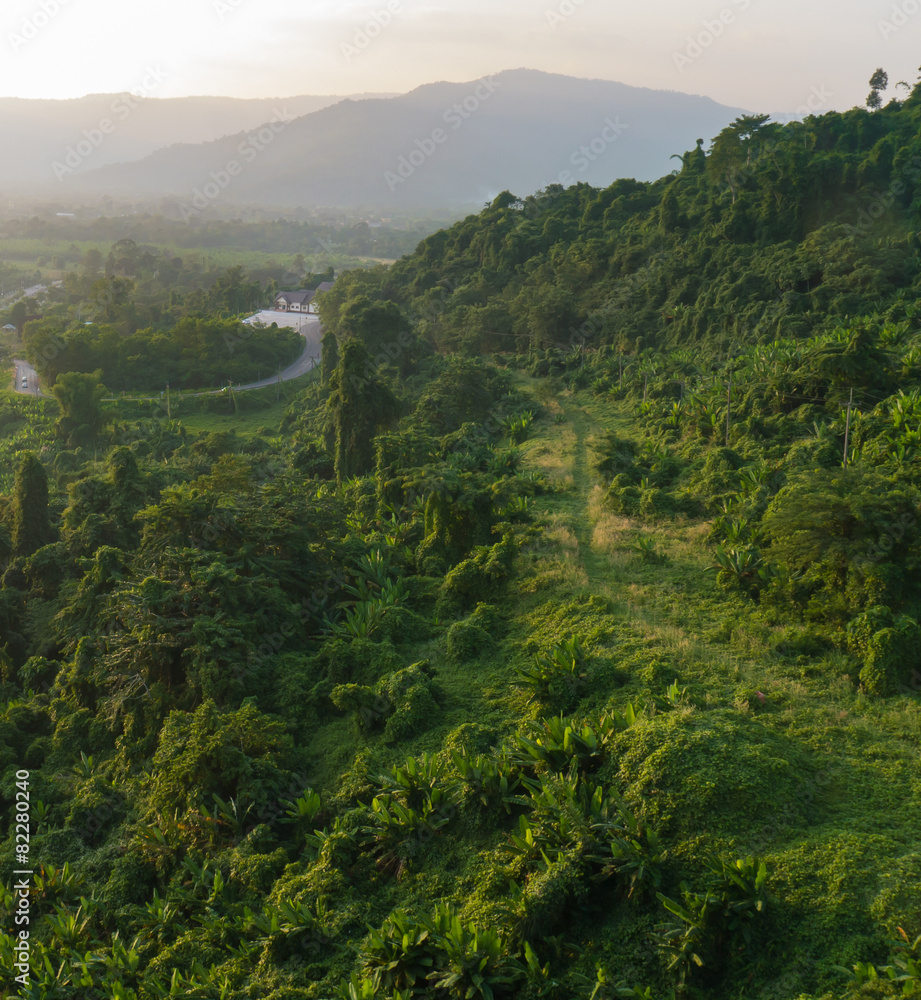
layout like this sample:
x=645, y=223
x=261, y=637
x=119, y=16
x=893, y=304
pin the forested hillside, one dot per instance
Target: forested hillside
x=559, y=640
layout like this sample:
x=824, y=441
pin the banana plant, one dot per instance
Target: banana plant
x=475, y=964
x=675, y=416
x=706, y=921
x=558, y=743
x=414, y=782
x=517, y=427
x=72, y=927
x=85, y=767
x=304, y=809
x=540, y=981
x=369, y=988
x=555, y=673
x=737, y=565
x=905, y=969
x=490, y=781
x=161, y=921
x=399, y=954
x=56, y=883
x=637, y=855
x=360, y=622
x=645, y=547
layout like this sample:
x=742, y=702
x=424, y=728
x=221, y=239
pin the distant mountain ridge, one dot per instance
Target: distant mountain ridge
x=440, y=145
x=39, y=134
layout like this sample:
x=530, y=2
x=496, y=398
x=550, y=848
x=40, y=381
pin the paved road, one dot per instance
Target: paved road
x=309, y=329
x=24, y=369
x=28, y=293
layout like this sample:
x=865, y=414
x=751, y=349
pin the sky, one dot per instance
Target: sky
x=763, y=55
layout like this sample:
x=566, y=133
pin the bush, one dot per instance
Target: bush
x=473, y=635
x=467, y=641
x=889, y=646
x=399, y=624
x=404, y=703
x=355, y=661
x=624, y=500
x=481, y=575
x=706, y=776
x=130, y=881
x=655, y=504
x=416, y=711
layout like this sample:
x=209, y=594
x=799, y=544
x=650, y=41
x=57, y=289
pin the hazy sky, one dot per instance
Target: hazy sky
x=771, y=55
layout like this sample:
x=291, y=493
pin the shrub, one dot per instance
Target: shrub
x=655, y=503
x=624, y=500
x=401, y=625
x=550, y=895
x=358, y=660
x=416, y=712
x=702, y=775
x=404, y=703
x=367, y=707
x=481, y=575
x=467, y=641
x=889, y=646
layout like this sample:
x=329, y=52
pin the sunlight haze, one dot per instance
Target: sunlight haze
x=761, y=54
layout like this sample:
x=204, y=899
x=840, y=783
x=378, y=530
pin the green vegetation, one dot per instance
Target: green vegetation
x=58, y=245
x=588, y=668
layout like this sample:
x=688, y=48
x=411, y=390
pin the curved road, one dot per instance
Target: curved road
x=309, y=328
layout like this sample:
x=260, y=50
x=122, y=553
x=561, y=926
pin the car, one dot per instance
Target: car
x=25, y=382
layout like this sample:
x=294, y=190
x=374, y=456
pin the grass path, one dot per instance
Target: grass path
x=671, y=606
x=595, y=544
x=583, y=522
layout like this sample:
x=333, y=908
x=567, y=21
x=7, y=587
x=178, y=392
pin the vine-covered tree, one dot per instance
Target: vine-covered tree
x=80, y=398
x=31, y=527
x=359, y=403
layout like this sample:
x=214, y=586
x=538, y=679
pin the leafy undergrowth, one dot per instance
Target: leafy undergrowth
x=549, y=793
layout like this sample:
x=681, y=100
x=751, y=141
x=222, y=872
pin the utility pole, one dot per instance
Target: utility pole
x=728, y=405
x=847, y=427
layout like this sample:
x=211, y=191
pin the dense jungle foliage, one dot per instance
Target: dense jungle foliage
x=561, y=639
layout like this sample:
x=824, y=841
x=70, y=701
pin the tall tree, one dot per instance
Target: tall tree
x=329, y=347
x=80, y=396
x=878, y=83
x=31, y=529
x=359, y=403
x=747, y=128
